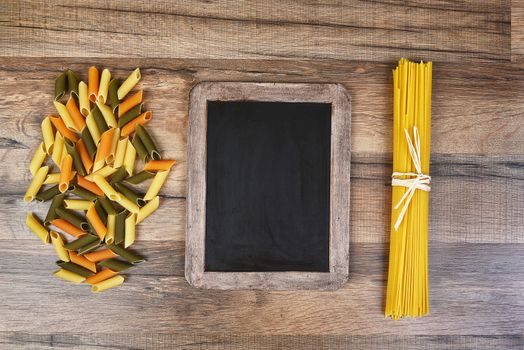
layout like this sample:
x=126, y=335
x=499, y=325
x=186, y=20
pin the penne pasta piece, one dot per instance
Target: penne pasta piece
x=115, y=264
x=107, y=205
x=120, y=226
x=156, y=184
x=36, y=184
x=113, y=94
x=58, y=244
x=93, y=82
x=63, y=153
x=130, y=226
x=111, y=221
x=119, y=176
x=147, y=209
x=77, y=161
x=82, y=193
x=104, y=147
x=88, y=142
x=69, y=276
x=140, y=148
x=37, y=228
x=54, y=178
x=100, y=255
x=60, y=86
x=129, y=116
x=57, y=149
x=101, y=212
x=77, y=204
x=65, y=173
x=104, y=172
x=129, y=158
x=79, y=270
x=110, y=158
x=83, y=99
x=128, y=84
x=51, y=212
x=75, y=114
x=126, y=254
x=88, y=185
x=120, y=153
x=48, y=135
x=48, y=194
x=73, y=218
x=81, y=241
x=99, y=119
x=82, y=151
x=129, y=103
x=107, y=114
x=128, y=204
x=106, y=187
x=142, y=119
x=148, y=142
x=101, y=276
x=59, y=125
x=67, y=227
x=66, y=117
x=141, y=177
x=89, y=247
x=159, y=165
x=93, y=128
x=80, y=260
x=130, y=194
x=72, y=82
x=107, y=284
x=38, y=159
x=104, y=86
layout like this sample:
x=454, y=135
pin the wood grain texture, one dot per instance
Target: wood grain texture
x=517, y=30
x=374, y=31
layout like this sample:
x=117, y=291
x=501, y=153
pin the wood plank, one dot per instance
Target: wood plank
x=161, y=341
x=373, y=31
x=476, y=289
x=517, y=30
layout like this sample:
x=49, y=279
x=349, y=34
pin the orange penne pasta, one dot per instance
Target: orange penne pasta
x=93, y=81
x=75, y=114
x=84, y=155
x=100, y=255
x=104, y=148
x=156, y=165
x=96, y=222
x=59, y=125
x=66, y=166
x=100, y=276
x=80, y=260
x=142, y=119
x=88, y=185
x=129, y=103
x=67, y=227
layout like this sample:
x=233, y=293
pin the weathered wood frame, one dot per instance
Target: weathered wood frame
x=339, y=185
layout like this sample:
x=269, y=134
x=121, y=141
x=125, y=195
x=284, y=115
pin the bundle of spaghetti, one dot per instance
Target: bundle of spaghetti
x=407, y=290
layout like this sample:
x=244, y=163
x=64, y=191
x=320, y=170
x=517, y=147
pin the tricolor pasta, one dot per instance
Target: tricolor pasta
x=85, y=168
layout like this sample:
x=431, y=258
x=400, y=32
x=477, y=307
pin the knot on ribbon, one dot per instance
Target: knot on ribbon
x=412, y=181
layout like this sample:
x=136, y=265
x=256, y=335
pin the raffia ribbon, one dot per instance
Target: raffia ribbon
x=415, y=181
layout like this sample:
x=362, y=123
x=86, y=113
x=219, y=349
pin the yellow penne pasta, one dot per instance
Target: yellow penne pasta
x=128, y=204
x=110, y=235
x=69, y=276
x=107, y=284
x=66, y=117
x=54, y=178
x=58, y=244
x=104, y=172
x=38, y=159
x=36, y=184
x=147, y=209
x=48, y=135
x=108, y=115
x=77, y=204
x=120, y=153
x=110, y=158
x=108, y=190
x=93, y=128
x=156, y=184
x=104, y=86
x=83, y=99
x=129, y=158
x=128, y=84
x=38, y=229
x=57, y=149
x=130, y=230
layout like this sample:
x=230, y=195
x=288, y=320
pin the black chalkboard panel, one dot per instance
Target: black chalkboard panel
x=268, y=186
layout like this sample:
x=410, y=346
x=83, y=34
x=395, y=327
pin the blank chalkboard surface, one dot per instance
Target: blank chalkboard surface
x=267, y=200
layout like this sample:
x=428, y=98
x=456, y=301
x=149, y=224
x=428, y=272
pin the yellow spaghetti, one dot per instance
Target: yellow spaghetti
x=407, y=291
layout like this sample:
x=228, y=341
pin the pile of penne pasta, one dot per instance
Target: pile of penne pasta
x=85, y=168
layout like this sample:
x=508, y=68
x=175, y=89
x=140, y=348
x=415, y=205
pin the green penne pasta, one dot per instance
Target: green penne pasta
x=82, y=192
x=88, y=141
x=60, y=86
x=89, y=247
x=77, y=161
x=82, y=241
x=99, y=119
x=130, y=115
x=120, y=226
x=112, y=98
x=100, y=211
x=140, y=177
x=109, y=208
x=72, y=82
x=120, y=175
x=82, y=271
x=129, y=193
x=115, y=264
x=126, y=254
x=48, y=194
x=73, y=218
x=140, y=148
x=55, y=203
x=148, y=142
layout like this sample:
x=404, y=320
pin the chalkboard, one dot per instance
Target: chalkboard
x=268, y=186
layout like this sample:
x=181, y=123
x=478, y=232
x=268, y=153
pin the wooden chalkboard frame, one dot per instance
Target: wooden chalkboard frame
x=336, y=95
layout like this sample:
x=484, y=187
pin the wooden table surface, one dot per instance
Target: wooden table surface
x=476, y=267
